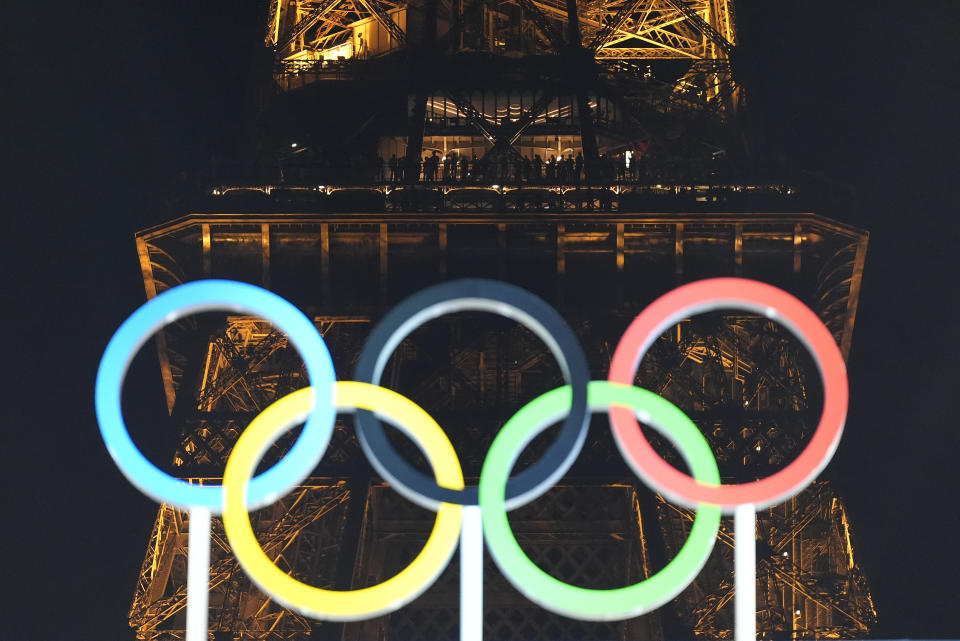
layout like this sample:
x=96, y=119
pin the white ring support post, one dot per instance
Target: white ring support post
x=745, y=573
x=471, y=575
x=198, y=574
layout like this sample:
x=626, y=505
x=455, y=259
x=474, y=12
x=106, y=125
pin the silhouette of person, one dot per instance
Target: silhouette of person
x=394, y=167
x=361, y=47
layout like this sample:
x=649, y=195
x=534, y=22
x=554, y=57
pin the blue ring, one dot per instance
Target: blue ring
x=204, y=296
x=495, y=297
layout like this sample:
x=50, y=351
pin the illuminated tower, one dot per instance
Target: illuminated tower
x=322, y=222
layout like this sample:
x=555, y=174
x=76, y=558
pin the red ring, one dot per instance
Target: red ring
x=750, y=295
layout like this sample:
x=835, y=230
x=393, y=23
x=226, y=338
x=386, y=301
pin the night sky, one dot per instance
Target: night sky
x=108, y=102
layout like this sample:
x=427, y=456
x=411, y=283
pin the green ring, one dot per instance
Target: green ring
x=566, y=599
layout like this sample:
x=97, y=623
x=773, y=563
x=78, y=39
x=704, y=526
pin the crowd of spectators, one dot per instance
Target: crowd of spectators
x=507, y=169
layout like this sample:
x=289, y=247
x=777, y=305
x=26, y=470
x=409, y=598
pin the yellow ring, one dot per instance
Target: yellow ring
x=336, y=605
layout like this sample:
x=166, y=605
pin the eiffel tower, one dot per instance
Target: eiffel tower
x=587, y=151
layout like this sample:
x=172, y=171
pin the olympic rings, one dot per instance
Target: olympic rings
x=563, y=598
x=335, y=605
x=172, y=305
x=775, y=304
x=497, y=492
x=497, y=298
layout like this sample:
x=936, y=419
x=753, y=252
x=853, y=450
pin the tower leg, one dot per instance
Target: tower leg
x=415, y=139
x=583, y=70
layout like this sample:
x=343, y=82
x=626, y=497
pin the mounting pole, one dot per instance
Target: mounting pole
x=471, y=574
x=745, y=573
x=198, y=573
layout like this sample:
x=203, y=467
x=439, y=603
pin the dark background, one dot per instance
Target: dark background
x=106, y=103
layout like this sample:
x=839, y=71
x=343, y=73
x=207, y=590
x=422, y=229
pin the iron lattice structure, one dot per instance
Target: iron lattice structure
x=631, y=30
x=643, y=92
x=748, y=385
x=808, y=584
x=501, y=80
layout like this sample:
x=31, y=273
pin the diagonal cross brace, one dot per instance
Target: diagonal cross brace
x=504, y=135
x=460, y=19
x=271, y=21
x=477, y=119
x=702, y=25
x=383, y=17
x=530, y=116
x=614, y=25
x=301, y=27
x=228, y=566
x=543, y=24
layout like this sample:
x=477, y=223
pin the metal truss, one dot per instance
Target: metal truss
x=588, y=534
x=549, y=28
x=702, y=25
x=808, y=583
x=747, y=384
x=304, y=26
x=840, y=276
x=301, y=533
x=612, y=30
x=596, y=48
x=828, y=256
x=737, y=376
x=380, y=12
x=471, y=376
x=305, y=23
x=247, y=366
x=744, y=382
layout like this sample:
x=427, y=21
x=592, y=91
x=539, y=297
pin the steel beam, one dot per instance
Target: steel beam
x=703, y=26
x=305, y=23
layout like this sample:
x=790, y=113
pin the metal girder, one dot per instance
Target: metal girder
x=807, y=579
x=677, y=47
x=507, y=133
x=305, y=23
x=613, y=25
x=582, y=76
x=643, y=53
x=486, y=128
x=273, y=14
x=383, y=17
x=415, y=137
x=147, y=613
x=656, y=35
x=810, y=586
x=838, y=278
x=530, y=116
x=607, y=547
x=543, y=24
x=237, y=370
x=510, y=372
x=459, y=20
x=326, y=31
x=645, y=32
x=702, y=26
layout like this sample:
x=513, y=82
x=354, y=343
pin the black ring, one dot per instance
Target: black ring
x=473, y=295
